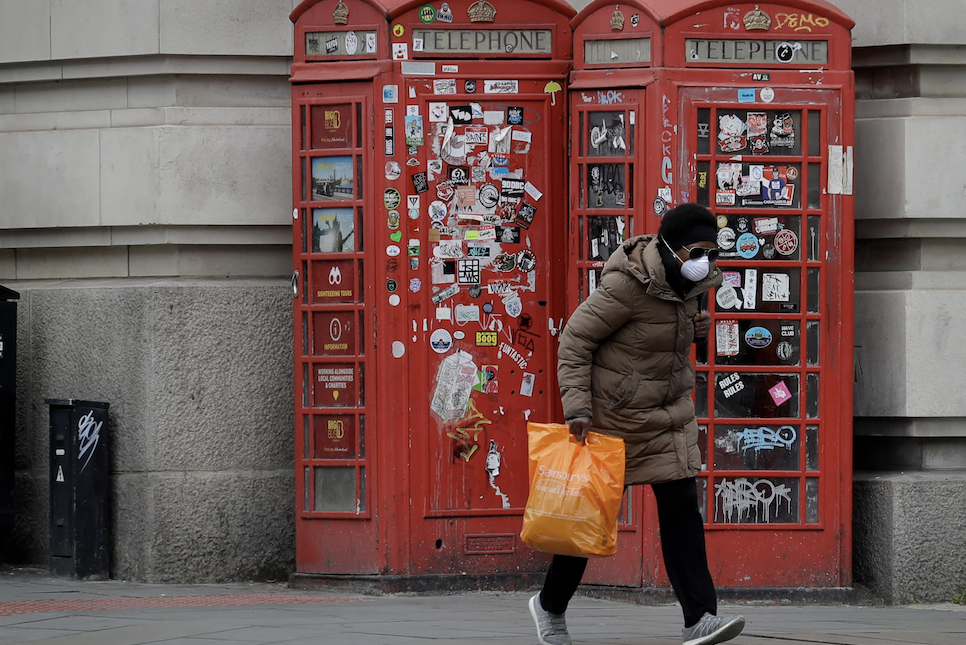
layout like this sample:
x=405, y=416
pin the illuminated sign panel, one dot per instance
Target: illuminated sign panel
x=720, y=50
x=484, y=41
x=617, y=51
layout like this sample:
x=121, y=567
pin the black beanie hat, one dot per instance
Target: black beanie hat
x=688, y=224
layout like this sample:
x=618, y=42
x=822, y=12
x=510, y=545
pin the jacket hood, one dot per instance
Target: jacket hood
x=640, y=257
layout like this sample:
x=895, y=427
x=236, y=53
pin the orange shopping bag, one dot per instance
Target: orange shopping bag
x=575, y=492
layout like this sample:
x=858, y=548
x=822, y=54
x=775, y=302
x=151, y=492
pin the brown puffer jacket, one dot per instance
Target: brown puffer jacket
x=624, y=361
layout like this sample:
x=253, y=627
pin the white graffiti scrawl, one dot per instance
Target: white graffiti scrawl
x=765, y=438
x=745, y=501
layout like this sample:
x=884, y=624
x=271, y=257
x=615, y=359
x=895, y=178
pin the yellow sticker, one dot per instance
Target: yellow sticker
x=398, y=30
x=722, y=221
x=486, y=339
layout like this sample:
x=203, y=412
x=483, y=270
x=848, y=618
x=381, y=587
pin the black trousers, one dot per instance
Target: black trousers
x=682, y=543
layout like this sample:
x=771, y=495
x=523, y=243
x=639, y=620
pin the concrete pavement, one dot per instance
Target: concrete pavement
x=38, y=609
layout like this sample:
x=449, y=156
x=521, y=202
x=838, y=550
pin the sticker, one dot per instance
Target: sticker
x=501, y=87
x=750, y=290
x=414, y=130
x=393, y=170
x=413, y=213
x=774, y=287
x=727, y=297
x=413, y=247
x=351, y=43
x=427, y=13
x=458, y=335
x=726, y=337
x=660, y=206
x=766, y=225
x=748, y=246
x=395, y=237
x=420, y=183
x=449, y=250
x=782, y=133
x=526, y=260
x=731, y=278
x=514, y=115
x=445, y=191
x=525, y=215
x=467, y=313
x=786, y=242
x=526, y=387
x=370, y=43
x=392, y=250
x=445, y=14
x=417, y=44
x=398, y=349
x=767, y=94
x=521, y=135
x=746, y=95
x=437, y=211
x=441, y=341
x=444, y=86
x=391, y=198
x=489, y=196
x=398, y=30
x=468, y=271
x=780, y=393
x=532, y=191
x=731, y=385
x=469, y=87
x=731, y=133
x=505, y=262
x=508, y=234
x=784, y=350
x=438, y=112
x=413, y=264
x=412, y=202
x=415, y=285
x=446, y=294
x=400, y=51
x=513, y=305
x=726, y=239
x=742, y=225
x=454, y=382
x=393, y=220
x=476, y=135
x=458, y=175
x=486, y=339
x=758, y=337
x=394, y=300
x=391, y=285
x=722, y=221
x=466, y=196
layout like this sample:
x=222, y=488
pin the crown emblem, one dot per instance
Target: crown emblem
x=617, y=20
x=757, y=19
x=481, y=11
x=340, y=15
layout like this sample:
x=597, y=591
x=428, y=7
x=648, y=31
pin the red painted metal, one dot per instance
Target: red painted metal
x=778, y=506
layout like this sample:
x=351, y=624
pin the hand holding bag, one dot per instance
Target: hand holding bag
x=575, y=492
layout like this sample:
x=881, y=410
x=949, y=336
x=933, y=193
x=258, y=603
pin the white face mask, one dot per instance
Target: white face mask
x=695, y=270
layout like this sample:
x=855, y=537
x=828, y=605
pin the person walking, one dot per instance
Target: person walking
x=624, y=370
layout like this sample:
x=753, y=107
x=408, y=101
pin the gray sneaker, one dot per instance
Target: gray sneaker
x=551, y=628
x=713, y=629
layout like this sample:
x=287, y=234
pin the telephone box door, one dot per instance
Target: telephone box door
x=770, y=385
x=606, y=182
x=484, y=215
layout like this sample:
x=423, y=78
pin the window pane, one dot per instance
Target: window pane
x=757, y=342
x=304, y=221
x=750, y=132
x=305, y=385
x=580, y=139
x=813, y=294
x=704, y=180
x=332, y=178
x=701, y=395
x=765, y=447
x=814, y=133
x=335, y=489
x=305, y=435
x=754, y=500
x=703, y=498
x=361, y=503
x=811, y=501
x=362, y=436
x=605, y=236
x=811, y=448
x=703, y=445
x=359, y=176
x=704, y=131
x=756, y=396
x=605, y=184
x=813, y=327
x=761, y=290
x=814, y=185
x=304, y=350
x=335, y=385
x=308, y=483
x=814, y=238
x=331, y=126
x=304, y=128
x=811, y=396
x=755, y=185
x=335, y=437
x=763, y=237
x=605, y=134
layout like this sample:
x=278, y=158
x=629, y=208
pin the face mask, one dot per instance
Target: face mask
x=695, y=270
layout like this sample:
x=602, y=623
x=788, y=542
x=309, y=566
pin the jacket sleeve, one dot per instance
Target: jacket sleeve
x=604, y=311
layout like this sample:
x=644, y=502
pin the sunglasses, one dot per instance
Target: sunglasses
x=696, y=252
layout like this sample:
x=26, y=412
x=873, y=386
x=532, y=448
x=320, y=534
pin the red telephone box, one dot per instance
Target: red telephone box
x=430, y=189
x=747, y=109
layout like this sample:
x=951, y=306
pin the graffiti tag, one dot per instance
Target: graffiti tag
x=742, y=500
x=466, y=432
x=88, y=433
x=765, y=438
x=609, y=97
x=800, y=21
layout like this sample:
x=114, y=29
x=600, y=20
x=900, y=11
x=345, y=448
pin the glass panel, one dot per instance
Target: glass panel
x=605, y=134
x=581, y=236
x=704, y=131
x=333, y=230
x=703, y=445
x=362, y=282
x=814, y=185
x=701, y=395
x=335, y=385
x=811, y=500
x=701, y=351
x=814, y=133
x=304, y=221
x=305, y=435
x=751, y=185
x=331, y=126
x=359, y=176
x=605, y=184
x=332, y=282
x=333, y=333
x=704, y=168
x=629, y=192
x=335, y=489
x=580, y=186
x=358, y=236
x=756, y=396
x=305, y=334
x=772, y=290
x=703, y=498
x=757, y=342
x=362, y=333
x=814, y=238
x=335, y=437
x=580, y=139
x=773, y=132
x=593, y=278
x=811, y=396
x=359, y=138
x=362, y=385
x=305, y=282
x=305, y=124
x=773, y=237
x=748, y=447
x=307, y=492
x=811, y=447
x=305, y=385
x=756, y=500
x=332, y=178
x=813, y=291
x=305, y=174
x=581, y=289
x=605, y=236
x=813, y=327
x=361, y=504
x=631, y=136
x=362, y=436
